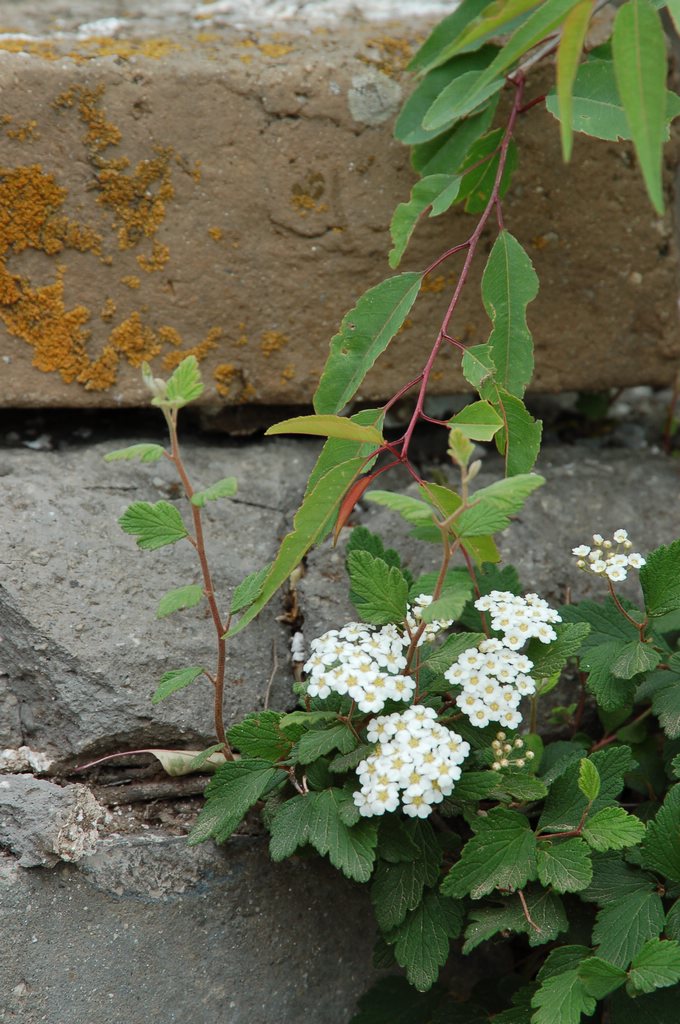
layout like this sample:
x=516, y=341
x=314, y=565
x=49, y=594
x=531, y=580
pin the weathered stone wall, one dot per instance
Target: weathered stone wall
x=187, y=185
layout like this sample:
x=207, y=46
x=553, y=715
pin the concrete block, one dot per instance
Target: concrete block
x=193, y=182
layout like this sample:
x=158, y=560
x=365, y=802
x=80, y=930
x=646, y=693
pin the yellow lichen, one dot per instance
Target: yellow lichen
x=392, y=54
x=288, y=373
x=108, y=310
x=137, y=209
x=130, y=281
x=272, y=341
x=100, y=133
x=135, y=340
x=274, y=49
x=216, y=234
x=23, y=132
x=36, y=47
x=160, y=254
x=305, y=195
x=108, y=46
x=173, y=359
x=223, y=376
x=170, y=335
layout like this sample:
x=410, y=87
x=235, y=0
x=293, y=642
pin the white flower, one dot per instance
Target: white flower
x=636, y=561
x=620, y=536
x=581, y=551
x=607, y=559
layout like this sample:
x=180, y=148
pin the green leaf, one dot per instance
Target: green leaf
x=396, y=842
x=623, y=926
x=672, y=926
x=224, y=488
x=237, y=785
x=545, y=909
x=411, y=509
x=613, y=829
x=436, y=193
x=495, y=17
x=379, y=591
x=522, y=787
x=258, y=736
x=438, y=659
x=562, y=999
x=249, y=589
x=443, y=39
x=660, y=580
x=479, y=421
x=446, y=152
x=175, y=680
x=566, y=803
x=346, y=762
x=154, y=525
x=609, y=634
x=501, y=855
x=206, y=758
x=313, y=521
x=600, y=978
x=183, y=386
x=509, y=284
x=460, y=97
x=143, y=452
x=664, y=688
x=175, y=600
x=364, y=334
x=635, y=657
x=520, y=439
x=588, y=779
x=568, y=55
x=639, y=51
x=317, y=742
x=492, y=506
x=551, y=658
x=421, y=941
x=328, y=426
x=564, y=864
x=317, y=819
x=480, y=169
x=657, y=965
x=614, y=879
x=673, y=7
x=661, y=845
x=397, y=888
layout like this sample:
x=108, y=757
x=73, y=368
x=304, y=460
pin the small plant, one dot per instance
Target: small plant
x=415, y=761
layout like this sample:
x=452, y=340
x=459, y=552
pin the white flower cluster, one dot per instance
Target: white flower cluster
x=366, y=662
x=604, y=558
x=494, y=676
x=416, y=760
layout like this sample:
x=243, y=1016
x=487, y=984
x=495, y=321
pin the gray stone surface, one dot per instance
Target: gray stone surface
x=151, y=930
x=82, y=651
x=42, y=823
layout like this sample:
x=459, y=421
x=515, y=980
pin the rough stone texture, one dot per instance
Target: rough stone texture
x=42, y=823
x=191, y=183
x=81, y=650
x=149, y=929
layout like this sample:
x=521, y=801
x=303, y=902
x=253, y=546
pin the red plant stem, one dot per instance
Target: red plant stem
x=606, y=740
x=471, y=246
x=640, y=626
x=220, y=627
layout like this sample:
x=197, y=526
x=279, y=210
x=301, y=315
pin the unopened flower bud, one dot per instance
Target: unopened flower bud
x=530, y=755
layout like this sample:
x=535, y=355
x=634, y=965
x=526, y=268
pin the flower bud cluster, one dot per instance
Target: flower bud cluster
x=494, y=676
x=416, y=762
x=414, y=619
x=509, y=754
x=610, y=558
x=363, y=661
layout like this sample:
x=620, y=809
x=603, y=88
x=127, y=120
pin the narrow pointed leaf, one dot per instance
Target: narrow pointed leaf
x=568, y=55
x=364, y=334
x=479, y=421
x=441, y=43
x=639, y=50
x=436, y=193
x=328, y=426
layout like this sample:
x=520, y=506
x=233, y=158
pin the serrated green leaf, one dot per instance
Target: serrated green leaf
x=564, y=864
x=492, y=506
x=347, y=762
x=436, y=192
x=501, y=855
x=657, y=965
x=396, y=841
x=600, y=978
x=614, y=879
x=411, y=509
x=568, y=55
x=562, y=999
x=663, y=687
x=183, y=597
x=397, y=888
x=175, y=680
x=661, y=845
x=328, y=426
x=248, y=589
x=672, y=926
x=154, y=525
x=259, y=736
x=624, y=925
x=364, y=334
x=566, y=803
x=588, y=779
x=545, y=909
x=317, y=742
x=316, y=819
x=509, y=284
x=451, y=603
x=551, y=658
x=521, y=786
x=143, y=452
x=612, y=828
x=421, y=941
x=379, y=591
x=313, y=521
x=609, y=634
x=237, y=785
x=660, y=580
x=479, y=421
x=211, y=756
x=639, y=50
x=635, y=657
x=183, y=386
x=224, y=488
x=438, y=659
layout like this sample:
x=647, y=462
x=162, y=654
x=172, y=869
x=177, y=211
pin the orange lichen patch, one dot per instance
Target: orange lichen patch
x=173, y=359
x=274, y=49
x=273, y=341
x=26, y=131
x=39, y=317
x=101, y=374
x=108, y=310
x=139, y=210
x=160, y=254
x=36, y=47
x=169, y=335
x=243, y=337
x=217, y=234
x=305, y=195
x=392, y=54
x=130, y=281
x=107, y=46
x=29, y=201
x=133, y=339
x=288, y=373
x=100, y=133
x=223, y=376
